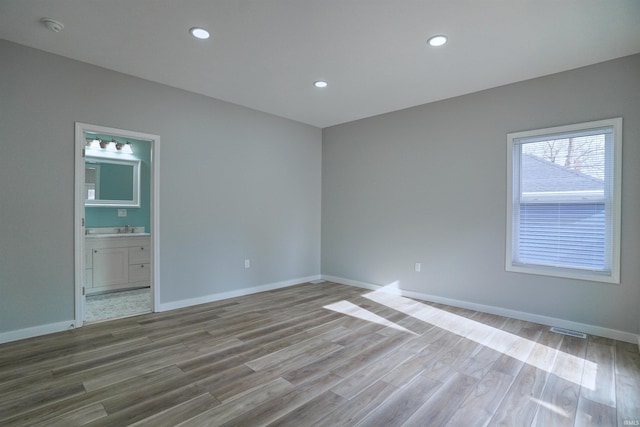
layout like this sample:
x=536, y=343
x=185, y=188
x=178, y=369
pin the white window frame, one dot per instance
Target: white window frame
x=565, y=272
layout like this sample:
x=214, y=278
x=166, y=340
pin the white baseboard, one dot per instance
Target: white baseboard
x=232, y=294
x=544, y=320
x=521, y=315
x=36, y=331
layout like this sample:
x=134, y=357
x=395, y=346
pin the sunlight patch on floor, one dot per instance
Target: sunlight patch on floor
x=553, y=408
x=563, y=365
x=350, y=309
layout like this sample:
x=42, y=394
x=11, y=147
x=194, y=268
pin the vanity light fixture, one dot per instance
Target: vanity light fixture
x=437, y=40
x=111, y=146
x=124, y=148
x=93, y=143
x=199, y=33
x=321, y=84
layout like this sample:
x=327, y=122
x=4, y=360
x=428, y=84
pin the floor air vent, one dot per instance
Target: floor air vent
x=568, y=332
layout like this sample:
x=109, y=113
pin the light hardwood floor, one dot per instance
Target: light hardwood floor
x=318, y=355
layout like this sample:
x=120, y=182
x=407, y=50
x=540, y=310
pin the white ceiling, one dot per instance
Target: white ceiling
x=266, y=54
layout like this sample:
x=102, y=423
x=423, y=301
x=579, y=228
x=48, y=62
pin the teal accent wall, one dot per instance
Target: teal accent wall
x=97, y=217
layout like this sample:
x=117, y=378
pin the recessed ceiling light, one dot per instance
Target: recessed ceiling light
x=199, y=33
x=436, y=41
x=320, y=84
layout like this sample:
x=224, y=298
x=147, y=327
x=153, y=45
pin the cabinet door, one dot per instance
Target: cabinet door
x=110, y=267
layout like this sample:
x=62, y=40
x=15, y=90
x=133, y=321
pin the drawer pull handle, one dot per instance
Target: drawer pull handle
x=95, y=251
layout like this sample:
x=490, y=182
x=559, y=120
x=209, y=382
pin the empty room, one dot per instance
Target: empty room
x=320, y=213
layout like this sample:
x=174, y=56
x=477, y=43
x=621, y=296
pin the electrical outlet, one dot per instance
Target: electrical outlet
x=247, y=263
x=122, y=212
x=417, y=266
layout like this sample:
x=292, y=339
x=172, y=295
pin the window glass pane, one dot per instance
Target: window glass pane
x=582, y=155
x=559, y=234
x=562, y=202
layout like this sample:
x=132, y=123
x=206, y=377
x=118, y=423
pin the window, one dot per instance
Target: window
x=563, y=214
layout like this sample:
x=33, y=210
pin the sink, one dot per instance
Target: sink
x=138, y=231
x=98, y=235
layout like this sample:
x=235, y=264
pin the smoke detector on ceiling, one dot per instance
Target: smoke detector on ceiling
x=52, y=24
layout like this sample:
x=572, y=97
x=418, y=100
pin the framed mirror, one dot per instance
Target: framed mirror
x=111, y=182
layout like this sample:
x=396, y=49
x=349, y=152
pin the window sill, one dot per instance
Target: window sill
x=564, y=273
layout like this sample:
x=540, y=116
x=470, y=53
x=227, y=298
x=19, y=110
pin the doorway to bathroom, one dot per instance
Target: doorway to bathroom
x=116, y=223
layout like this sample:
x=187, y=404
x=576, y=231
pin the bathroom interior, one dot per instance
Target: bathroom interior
x=117, y=275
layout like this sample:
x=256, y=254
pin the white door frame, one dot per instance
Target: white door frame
x=79, y=228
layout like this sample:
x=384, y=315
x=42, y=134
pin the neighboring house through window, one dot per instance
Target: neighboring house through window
x=563, y=214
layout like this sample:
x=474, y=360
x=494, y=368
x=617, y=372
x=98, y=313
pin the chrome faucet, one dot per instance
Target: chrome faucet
x=126, y=229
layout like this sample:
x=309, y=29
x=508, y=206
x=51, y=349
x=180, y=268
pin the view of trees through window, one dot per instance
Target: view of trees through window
x=584, y=154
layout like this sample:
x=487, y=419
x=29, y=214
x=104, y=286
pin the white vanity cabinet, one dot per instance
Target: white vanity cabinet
x=117, y=263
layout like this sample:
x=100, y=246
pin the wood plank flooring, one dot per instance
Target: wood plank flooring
x=318, y=355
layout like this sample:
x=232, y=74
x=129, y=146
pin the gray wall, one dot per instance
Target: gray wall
x=428, y=184
x=425, y=185
x=234, y=184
